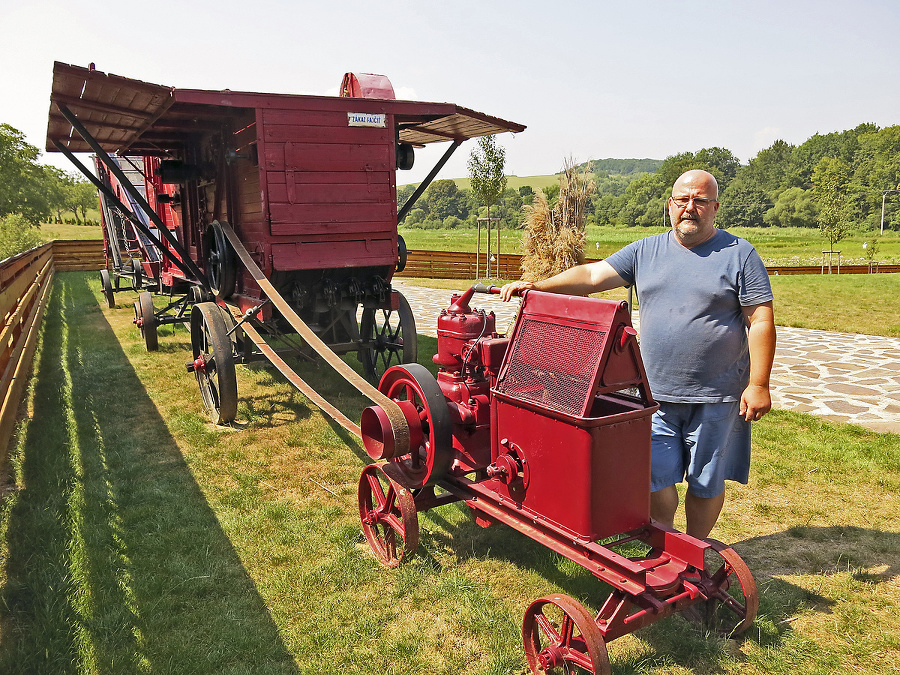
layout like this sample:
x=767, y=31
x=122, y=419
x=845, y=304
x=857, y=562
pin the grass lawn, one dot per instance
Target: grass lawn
x=138, y=538
x=53, y=231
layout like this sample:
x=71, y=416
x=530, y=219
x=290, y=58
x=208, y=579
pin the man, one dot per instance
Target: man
x=708, y=342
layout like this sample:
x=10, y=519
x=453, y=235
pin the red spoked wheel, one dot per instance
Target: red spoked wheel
x=426, y=464
x=561, y=636
x=732, y=606
x=388, y=514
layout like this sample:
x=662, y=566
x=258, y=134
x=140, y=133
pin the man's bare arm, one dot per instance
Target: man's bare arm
x=581, y=280
x=756, y=400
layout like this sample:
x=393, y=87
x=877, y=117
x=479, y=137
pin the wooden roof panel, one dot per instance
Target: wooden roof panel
x=118, y=111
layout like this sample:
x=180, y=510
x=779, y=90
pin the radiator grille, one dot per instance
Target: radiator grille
x=554, y=365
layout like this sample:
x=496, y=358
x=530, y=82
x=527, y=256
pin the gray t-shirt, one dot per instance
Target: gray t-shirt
x=693, y=331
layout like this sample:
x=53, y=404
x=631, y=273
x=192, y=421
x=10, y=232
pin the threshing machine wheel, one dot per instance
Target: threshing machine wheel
x=388, y=512
x=145, y=319
x=561, y=636
x=221, y=261
x=388, y=339
x=733, y=606
x=137, y=272
x=426, y=464
x=106, y=285
x=214, y=362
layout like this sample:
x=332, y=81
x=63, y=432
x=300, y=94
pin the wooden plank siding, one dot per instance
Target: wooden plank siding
x=78, y=255
x=330, y=188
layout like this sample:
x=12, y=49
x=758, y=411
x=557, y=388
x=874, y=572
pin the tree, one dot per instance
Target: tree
x=794, y=207
x=57, y=184
x=83, y=197
x=443, y=199
x=830, y=179
x=21, y=178
x=486, y=175
x=743, y=205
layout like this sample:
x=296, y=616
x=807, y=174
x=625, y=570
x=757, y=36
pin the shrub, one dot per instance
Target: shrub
x=17, y=235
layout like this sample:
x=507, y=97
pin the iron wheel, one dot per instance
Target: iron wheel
x=213, y=363
x=561, y=636
x=145, y=320
x=388, y=513
x=388, y=339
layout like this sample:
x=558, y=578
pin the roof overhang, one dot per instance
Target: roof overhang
x=128, y=116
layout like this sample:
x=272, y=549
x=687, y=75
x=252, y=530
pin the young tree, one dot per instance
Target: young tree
x=486, y=176
x=830, y=179
x=84, y=197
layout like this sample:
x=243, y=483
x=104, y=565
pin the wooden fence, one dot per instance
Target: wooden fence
x=73, y=255
x=454, y=265
x=24, y=287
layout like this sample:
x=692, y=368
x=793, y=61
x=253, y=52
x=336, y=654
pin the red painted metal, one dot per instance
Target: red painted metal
x=550, y=435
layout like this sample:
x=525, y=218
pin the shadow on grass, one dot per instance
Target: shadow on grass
x=116, y=563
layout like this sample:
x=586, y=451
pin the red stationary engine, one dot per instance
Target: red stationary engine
x=548, y=432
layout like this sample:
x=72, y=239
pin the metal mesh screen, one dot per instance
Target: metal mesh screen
x=553, y=365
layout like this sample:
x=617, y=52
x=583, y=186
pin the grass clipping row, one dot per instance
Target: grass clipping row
x=554, y=237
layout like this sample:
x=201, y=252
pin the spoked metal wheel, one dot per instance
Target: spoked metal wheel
x=425, y=464
x=145, y=320
x=561, y=636
x=213, y=363
x=388, y=339
x=221, y=261
x=388, y=514
x=734, y=600
x=107, y=287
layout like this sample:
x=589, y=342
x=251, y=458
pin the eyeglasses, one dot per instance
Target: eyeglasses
x=699, y=202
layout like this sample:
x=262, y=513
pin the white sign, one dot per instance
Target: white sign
x=366, y=119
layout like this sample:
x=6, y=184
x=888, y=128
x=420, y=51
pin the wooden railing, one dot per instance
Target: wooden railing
x=24, y=286
x=455, y=265
x=72, y=255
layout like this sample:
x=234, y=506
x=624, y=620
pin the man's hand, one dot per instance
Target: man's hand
x=513, y=287
x=756, y=401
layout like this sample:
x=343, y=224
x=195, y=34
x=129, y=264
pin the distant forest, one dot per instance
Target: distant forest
x=783, y=186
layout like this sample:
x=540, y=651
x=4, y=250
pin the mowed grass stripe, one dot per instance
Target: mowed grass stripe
x=209, y=550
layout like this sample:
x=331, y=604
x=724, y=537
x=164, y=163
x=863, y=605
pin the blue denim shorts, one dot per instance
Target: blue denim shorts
x=706, y=443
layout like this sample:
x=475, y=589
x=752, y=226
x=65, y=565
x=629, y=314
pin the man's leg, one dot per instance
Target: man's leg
x=701, y=513
x=663, y=505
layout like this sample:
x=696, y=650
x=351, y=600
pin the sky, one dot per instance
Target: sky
x=589, y=79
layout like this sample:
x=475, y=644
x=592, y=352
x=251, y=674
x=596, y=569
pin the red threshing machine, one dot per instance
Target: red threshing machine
x=257, y=213
x=547, y=431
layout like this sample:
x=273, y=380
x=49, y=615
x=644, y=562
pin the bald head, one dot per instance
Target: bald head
x=703, y=182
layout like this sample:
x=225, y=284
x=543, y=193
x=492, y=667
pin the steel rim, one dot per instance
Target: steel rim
x=387, y=511
x=561, y=636
x=732, y=607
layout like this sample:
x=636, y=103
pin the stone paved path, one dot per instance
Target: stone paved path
x=839, y=376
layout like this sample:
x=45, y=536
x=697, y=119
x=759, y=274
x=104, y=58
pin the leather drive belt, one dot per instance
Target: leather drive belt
x=399, y=425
